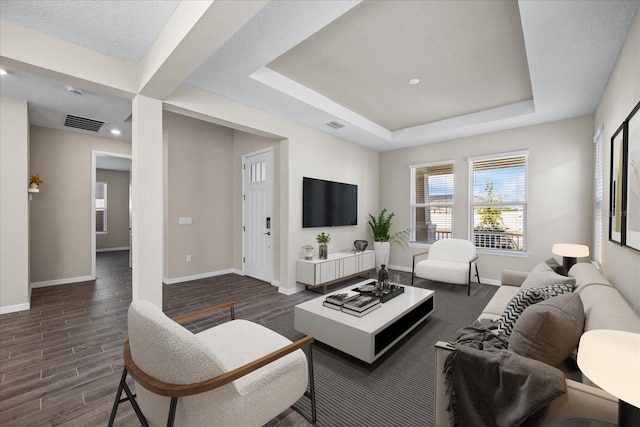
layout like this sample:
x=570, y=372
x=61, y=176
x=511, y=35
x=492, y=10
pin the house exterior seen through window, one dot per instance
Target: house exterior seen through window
x=431, y=202
x=101, y=207
x=498, y=202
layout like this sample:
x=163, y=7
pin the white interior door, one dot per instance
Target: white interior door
x=258, y=221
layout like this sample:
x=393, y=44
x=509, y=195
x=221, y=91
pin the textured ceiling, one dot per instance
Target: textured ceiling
x=483, y=66
x=464, y=49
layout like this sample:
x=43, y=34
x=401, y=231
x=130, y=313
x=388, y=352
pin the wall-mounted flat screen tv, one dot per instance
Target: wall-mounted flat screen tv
x=328, y=203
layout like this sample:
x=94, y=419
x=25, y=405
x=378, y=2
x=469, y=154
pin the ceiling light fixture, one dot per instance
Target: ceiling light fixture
x=3, y=72
x=414, y=81
x=115, y=131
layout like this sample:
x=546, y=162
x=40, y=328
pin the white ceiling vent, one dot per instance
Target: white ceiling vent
x=335, y=125
x=83, y=123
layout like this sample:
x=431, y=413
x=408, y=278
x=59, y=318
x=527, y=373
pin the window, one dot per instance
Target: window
x=101, y=207
x=431, y=202
x=598, y=139
x=498, y=202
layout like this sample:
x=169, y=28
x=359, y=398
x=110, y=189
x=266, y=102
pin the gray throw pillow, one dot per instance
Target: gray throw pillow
x=523, y=299
x=549, y=331
x=543, y=275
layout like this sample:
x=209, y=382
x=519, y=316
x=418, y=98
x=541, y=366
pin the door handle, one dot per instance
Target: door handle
x=268, y=233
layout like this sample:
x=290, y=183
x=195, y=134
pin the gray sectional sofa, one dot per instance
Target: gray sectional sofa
x=604, y=308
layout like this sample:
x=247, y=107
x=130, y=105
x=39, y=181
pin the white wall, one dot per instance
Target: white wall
x=560, y=187
x=621, y=265
x=14, y=205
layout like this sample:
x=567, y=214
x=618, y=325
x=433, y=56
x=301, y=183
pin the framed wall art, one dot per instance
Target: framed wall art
x=616, y=209
x=632, y=183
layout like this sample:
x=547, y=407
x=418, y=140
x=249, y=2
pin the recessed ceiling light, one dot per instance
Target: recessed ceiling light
x=414, y=81
x=115, y=131
x=3, y=72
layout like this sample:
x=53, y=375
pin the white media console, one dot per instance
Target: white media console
x=338, y=266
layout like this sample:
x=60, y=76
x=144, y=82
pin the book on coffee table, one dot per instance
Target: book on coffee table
x=362, y=302
x=342, y=297
x=363, y=312
x=332, y=305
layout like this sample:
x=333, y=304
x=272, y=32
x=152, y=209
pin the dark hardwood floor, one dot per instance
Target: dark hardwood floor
x=60, y=361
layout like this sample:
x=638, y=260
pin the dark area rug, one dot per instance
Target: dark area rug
x=398, y=388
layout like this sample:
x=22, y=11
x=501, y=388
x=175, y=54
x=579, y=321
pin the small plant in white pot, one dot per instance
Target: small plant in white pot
x=323, y=240
x=308, y=252
x=380, y=227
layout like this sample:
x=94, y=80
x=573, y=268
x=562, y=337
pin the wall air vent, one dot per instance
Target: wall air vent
x=335, y=125
x=83, y=123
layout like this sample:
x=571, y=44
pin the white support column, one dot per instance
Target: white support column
x=147, y=199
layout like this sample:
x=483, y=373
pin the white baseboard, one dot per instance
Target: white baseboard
x=61, y=281
x=199, y=276
x=291, y=291
x=123, y=248
x=13, y=308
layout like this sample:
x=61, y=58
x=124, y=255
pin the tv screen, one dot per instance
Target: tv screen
x=328, y=203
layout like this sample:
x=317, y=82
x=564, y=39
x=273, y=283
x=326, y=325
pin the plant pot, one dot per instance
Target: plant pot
x=308, y=254
x=324, y=251
x=382, y=251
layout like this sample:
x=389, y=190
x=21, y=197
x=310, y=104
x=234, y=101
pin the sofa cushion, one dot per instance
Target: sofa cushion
x=550, y=330
x=524, y=299
x=543, y=275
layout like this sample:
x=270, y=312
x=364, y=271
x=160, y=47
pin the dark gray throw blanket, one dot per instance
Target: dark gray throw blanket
x=489, y=385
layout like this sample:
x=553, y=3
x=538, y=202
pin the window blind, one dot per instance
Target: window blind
x=498, y=201
x=432, y=202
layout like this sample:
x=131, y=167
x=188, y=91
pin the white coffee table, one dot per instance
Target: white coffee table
x=368, y=337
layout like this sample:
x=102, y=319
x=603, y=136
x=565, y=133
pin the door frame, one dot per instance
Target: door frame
x=243, y=192
x=94, y=155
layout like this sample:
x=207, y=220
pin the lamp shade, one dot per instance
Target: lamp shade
x=611, y=360
x=570, y=250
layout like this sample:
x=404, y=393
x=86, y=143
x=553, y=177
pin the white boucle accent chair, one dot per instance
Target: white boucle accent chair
x=448, y=261
x=237, y=373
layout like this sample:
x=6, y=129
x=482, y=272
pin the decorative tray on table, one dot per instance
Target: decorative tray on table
x=386, y=295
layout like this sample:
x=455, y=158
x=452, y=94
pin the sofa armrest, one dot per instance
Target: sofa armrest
x=513, y=277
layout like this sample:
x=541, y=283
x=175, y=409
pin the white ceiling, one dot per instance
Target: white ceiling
x=483, y=65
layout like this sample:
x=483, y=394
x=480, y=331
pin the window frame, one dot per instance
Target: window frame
x=105, y=223
x=598, y=194
x=413, y=205
x=472, y=205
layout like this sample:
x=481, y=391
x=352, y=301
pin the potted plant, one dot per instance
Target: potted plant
x=35, y=180
x=380, y=227
x=308, y=252
x=323, y=240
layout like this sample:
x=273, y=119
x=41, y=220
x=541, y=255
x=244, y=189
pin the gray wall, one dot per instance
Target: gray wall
x=60, y=220
x=117, y=209
x=560, y=187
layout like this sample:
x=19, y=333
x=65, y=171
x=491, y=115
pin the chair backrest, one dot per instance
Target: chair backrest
x=452, y=250
x=165, y=350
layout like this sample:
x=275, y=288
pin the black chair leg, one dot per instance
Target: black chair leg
x=172, y=411
x=477, y=274
x=130, y=397
x=312, y=386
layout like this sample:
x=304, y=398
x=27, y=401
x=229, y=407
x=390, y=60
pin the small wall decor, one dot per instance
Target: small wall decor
x=35, y=181
x=624, y=196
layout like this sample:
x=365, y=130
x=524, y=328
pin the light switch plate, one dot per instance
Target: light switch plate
x=185, y=220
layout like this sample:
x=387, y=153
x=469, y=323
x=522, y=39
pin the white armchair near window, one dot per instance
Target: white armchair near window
x=449, y=261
